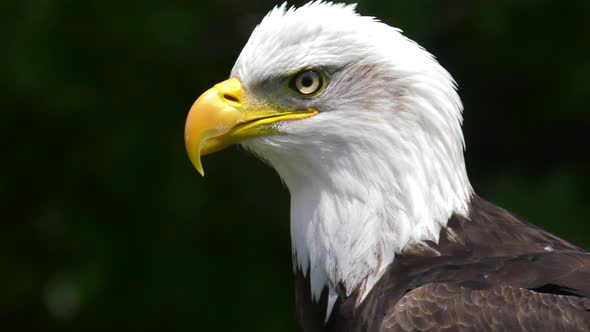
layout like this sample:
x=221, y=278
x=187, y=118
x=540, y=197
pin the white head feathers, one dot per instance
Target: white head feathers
x=381, y=165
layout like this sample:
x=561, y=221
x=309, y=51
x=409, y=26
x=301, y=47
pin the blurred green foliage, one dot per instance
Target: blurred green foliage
x=107, y=226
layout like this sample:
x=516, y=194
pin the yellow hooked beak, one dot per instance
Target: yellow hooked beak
x=221, y=117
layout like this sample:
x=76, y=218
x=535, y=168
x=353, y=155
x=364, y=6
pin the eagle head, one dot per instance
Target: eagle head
x=362, y=124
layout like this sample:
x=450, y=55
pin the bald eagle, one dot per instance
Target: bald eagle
x=364, y=127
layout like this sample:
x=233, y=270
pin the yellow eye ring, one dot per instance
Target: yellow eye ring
x=307, y=83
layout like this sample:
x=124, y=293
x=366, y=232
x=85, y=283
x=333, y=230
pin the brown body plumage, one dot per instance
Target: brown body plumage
x=491, y=272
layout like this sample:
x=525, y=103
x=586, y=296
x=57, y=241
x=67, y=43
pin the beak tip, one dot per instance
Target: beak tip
x=196, y=161
x=195, y=157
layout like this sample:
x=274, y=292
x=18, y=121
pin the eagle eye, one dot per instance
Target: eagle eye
x=307, y=82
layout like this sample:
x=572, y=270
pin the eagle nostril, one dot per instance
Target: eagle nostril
x=230, y=97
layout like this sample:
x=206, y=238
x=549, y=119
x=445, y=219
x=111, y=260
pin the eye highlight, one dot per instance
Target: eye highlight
x=307, y=82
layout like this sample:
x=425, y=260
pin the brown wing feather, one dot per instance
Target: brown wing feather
x=450, y=307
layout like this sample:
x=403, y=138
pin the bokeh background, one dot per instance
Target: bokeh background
x=105, y=224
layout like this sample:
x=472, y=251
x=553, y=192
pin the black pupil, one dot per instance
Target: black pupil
x=306, y=81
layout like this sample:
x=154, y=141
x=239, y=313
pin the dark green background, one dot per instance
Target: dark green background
x=107, y=226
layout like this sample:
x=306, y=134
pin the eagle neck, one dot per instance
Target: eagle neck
x=355, y=207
